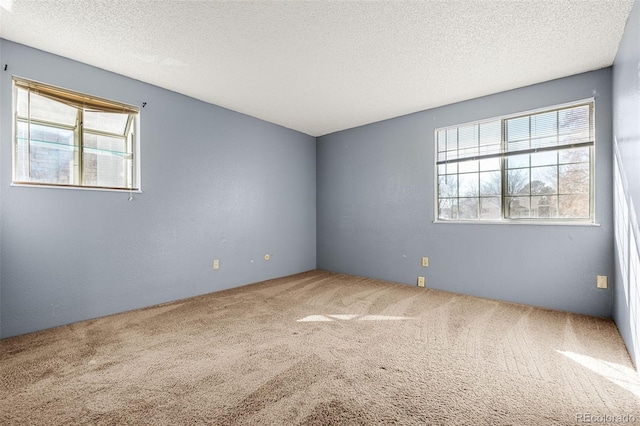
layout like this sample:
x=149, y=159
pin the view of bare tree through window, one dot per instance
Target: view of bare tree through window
x=534, y=166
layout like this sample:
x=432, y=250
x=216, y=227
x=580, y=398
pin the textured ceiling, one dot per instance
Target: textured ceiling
x=320, y=67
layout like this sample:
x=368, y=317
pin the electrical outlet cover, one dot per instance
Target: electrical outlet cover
x=601, y=281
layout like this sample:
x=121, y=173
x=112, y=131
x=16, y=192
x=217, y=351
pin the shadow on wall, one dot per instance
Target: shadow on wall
x=627, y=247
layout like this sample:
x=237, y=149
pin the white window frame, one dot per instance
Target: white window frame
x=90, y=102
x=591, y=220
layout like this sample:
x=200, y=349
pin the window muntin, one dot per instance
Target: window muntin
x=66, y=138
x=536, y=167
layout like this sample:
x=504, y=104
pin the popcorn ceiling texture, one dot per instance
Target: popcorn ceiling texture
x=322, y=349
x=320, y=67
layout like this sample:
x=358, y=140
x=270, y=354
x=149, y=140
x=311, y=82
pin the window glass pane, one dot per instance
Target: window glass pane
x=468, y=136
x=517, y=161
x=490, y=138
x=45, y=135
x=489, y=149
x=574, y=178
x=577, y=155
x=114, y=145
x=104, y=170
x=442, y=140
x=490, y=164
x=518, y=129
x=573, y=138
x=468, y=152
x=490, y=208
x=448, y=208
x=22, y=103
x=468, y=166
x=490, y=133
x=544, y=180
x=468, y=208
x=105, y=162
x=574, y=206
x=517, y=207
x=45, y=109
x=545, y=206
x=490, y=183
x=544, y=142
x=452, y=139
x=22, y=153
x=545, y=124
x=448, y=169
x=106, y=122
x=448, y=186
x=574, y=125
x=518, y=182
x=51, y=156
x=574, y=119
x=469, y=185
x=518, y=145
x=544, y=158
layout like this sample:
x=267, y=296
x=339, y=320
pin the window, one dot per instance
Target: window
x=534, y=167
x=64, y=138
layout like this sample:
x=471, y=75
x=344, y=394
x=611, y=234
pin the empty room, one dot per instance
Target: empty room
x=319, y=212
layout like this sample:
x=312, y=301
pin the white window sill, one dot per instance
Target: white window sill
x=517, y=222
x=81, y=188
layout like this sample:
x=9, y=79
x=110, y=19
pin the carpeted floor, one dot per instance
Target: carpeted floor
x=318, y=349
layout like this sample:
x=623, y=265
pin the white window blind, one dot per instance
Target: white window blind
x=564, y=128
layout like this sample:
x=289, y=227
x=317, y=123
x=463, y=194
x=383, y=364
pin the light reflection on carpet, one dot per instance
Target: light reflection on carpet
x=623, y=376
x=327, y=318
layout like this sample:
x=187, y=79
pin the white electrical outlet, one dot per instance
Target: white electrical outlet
x=216, y=264
x=420, y=281
x=601, y=281
x=425, y=262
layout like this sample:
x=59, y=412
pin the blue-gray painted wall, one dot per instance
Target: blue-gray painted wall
x=1, y=115
x=626, y=131
x=216, y=185
x=376, y=210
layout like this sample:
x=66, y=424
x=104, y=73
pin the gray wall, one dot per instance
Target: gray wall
x=376, y=210
x=216, y=184
x=1, y=124
x=626, y=131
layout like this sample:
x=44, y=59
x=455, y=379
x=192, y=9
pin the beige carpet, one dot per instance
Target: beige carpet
x=319, y=349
